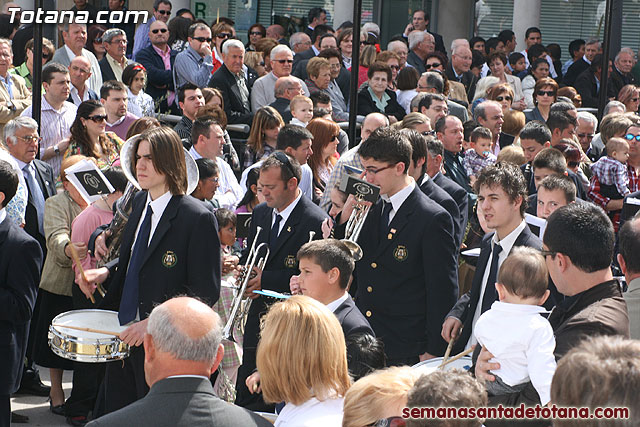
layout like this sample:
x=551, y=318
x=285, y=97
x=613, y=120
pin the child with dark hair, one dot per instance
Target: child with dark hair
x=479, y=156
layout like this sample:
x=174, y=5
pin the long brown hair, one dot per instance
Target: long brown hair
x=323, y=132
x=265, y=118
x=79, y=133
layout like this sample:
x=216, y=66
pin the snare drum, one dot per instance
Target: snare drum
x=85, y=346
x=431, y=365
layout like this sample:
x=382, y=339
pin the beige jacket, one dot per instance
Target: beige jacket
x=21, y=100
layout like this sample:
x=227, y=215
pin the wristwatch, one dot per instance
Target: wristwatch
x=56, y=149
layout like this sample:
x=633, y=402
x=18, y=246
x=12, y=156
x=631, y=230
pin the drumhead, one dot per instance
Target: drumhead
x=431, y=365
x=104, y=320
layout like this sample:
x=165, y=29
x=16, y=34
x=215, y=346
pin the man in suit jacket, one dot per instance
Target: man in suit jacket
x=286, y=89
x=234, y=84
x=114, y=61
x=75, y=37
x=158, y=59
x=502, y=199
x=591, y=49
x=178, y=328
x=459, y=70
x=20, y=262
x=407, y=277
x=588, y=83
x=420, y=21
x=286, y=220
x=182, y=257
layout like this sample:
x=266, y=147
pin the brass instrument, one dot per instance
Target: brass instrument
x=354, y=226
x=241, y=304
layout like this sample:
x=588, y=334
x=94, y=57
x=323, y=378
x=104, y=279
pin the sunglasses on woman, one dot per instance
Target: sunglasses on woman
x=97, y=118
x=504, y=98
x=545, y=92
x=434, y=65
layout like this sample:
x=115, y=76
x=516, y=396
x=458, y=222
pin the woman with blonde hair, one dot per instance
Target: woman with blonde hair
x=325, y=143
x=265, y=127
x=629, y=95
x=302, y=360
x=255, y=60
x=378, y=397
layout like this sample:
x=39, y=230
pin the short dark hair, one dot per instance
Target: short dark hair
x=575, y=45
x=491, y=43
x=289, y=166
x=387, y=145
x=550, y=158
x=497, y=55
x=435, y=81
x=110, y=85
x=319, y=31
x=629, y=245
x=506, y=36
x=315, y=12
x=379, y=67
x=157, y=3
x=562, y=107
x=8, y=182
x=292, y=136
x=225, y=217
x=441, y=123
x=475, y=39
x=562, y=183
x=319, y=97
x=426, y=14
x=418, y=146
x=365, y=354
x=537, y=131
x=582, y=232
x=480, y=132
x=532, y=30
x=507, y=176
x=434, y=146
x=116, y=177
x=330, y=52
x=328, y=254
x=560, y=120
x=536, y=52
x=524, y=273
x=428, y=98
x=185, y=87
x=554, y=50
x=408, y=78
x=206, y=168
x=515, y=57
x=50, y=69
x=202, y=126
x=596, y=63
x=131, y=71
x=468, y=127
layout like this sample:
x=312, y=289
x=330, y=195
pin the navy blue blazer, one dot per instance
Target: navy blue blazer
x=441, y=197
x=159, y=80
x=282, y=262
x=183, y=256
x=352, y=320
x=47, y=183
x=20, y=262
x=457, y=193
x=407, y=280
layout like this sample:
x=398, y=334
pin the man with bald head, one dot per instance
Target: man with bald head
x=459, y=69
x=277, y=32
x=158, y=59
x=351, y=158
x=79, y=73
x=286, y=89
x=182, y=350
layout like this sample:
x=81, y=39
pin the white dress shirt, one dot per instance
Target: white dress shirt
x=333, y=305
x=398, y=199
x=312, y=413
x=522, y=343
x=158, y=206
x=306, y=180
x=229, y=192
x=286, y=212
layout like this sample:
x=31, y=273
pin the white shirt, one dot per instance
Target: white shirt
x=333, y=305
x=295, y=121
x=306, y=180
x=229, y=192
x=507, y=244
x=3, y=214
x=522, y=342
x=75, y=95
x=312, y=413
x=285, y=213
x=158, y=206
x=95, y=81
x=398, y=199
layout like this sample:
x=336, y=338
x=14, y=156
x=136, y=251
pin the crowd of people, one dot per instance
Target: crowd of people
x=506, y=224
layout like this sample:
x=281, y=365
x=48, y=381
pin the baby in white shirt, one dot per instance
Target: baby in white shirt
x=513, y=330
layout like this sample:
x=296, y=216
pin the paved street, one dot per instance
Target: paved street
x=37, y=408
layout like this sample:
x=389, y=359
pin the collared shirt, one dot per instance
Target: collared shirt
x=300, y=123
x=229, y=192
x=306, y=181
x=188, y=376
x=54, y=127
x=242, y=88
x=8, y=83
x=117, y=122
x=507, y=245
x=158, y=206
x=381, y=103
x=584, y=58
x=3, y=215
x=23, y=71
x=286, y=212
x=333, y=305
x=398, y=199
x=116, y=67
x=315, y=50
x=75, y=95
x=95, y=81
x=183, y=128
x=166, y=60
x=190, y=67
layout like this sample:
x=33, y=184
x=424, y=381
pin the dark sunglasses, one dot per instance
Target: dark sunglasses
x=334, y=138
x=159, y=30
x=46, y=56
x=394, y=67
x=283, y=61
x=97, y=40
x=255, y=33
x=434, y=65
x=284, y=159
x=97, y=118
x=545, y=92
x=203, y=39
x=631, y=137
x=223, y=35
x=164, y=12
x=503, y=98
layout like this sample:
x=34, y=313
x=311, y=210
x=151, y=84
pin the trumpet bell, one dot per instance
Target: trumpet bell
x=354, y=248
x=127, y=155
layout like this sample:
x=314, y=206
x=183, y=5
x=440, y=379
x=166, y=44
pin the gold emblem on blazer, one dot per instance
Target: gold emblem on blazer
x=400, y=253
x=169, y=259
x=290, y=261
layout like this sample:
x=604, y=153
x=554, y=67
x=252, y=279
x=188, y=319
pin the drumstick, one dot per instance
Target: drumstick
x=78, y=328
x=448, y=352
x=76, y=259
x=456, y=357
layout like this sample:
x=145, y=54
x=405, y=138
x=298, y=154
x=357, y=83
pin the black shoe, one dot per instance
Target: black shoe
x=31, y=384
x=58, y=410
x=77, y=421
x=19, y=418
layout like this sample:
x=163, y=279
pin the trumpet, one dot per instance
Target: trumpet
x=354, y=226
x=241, y=304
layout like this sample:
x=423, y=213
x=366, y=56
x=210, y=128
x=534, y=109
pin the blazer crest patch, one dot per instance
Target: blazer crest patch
x=290, y=261
x=169, y=259
x=400, y=253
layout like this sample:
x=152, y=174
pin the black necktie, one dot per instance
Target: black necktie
x=273, y=237
x=384, y=219
x=129, y=300
x=490, y=294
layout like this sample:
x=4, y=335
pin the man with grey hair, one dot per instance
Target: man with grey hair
x=183, y=348
x=400, y=48
x=421, y=44
x=591, y=49
x=114, y=61
x=459, y=69
x=621, y=73
x=75, y=37
x=263, y=92
x=286, y=89
x=433, y=82
x=586, y=131
x=489, y=114
x=231, y=80
x=299, y=42
x=195, y=63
